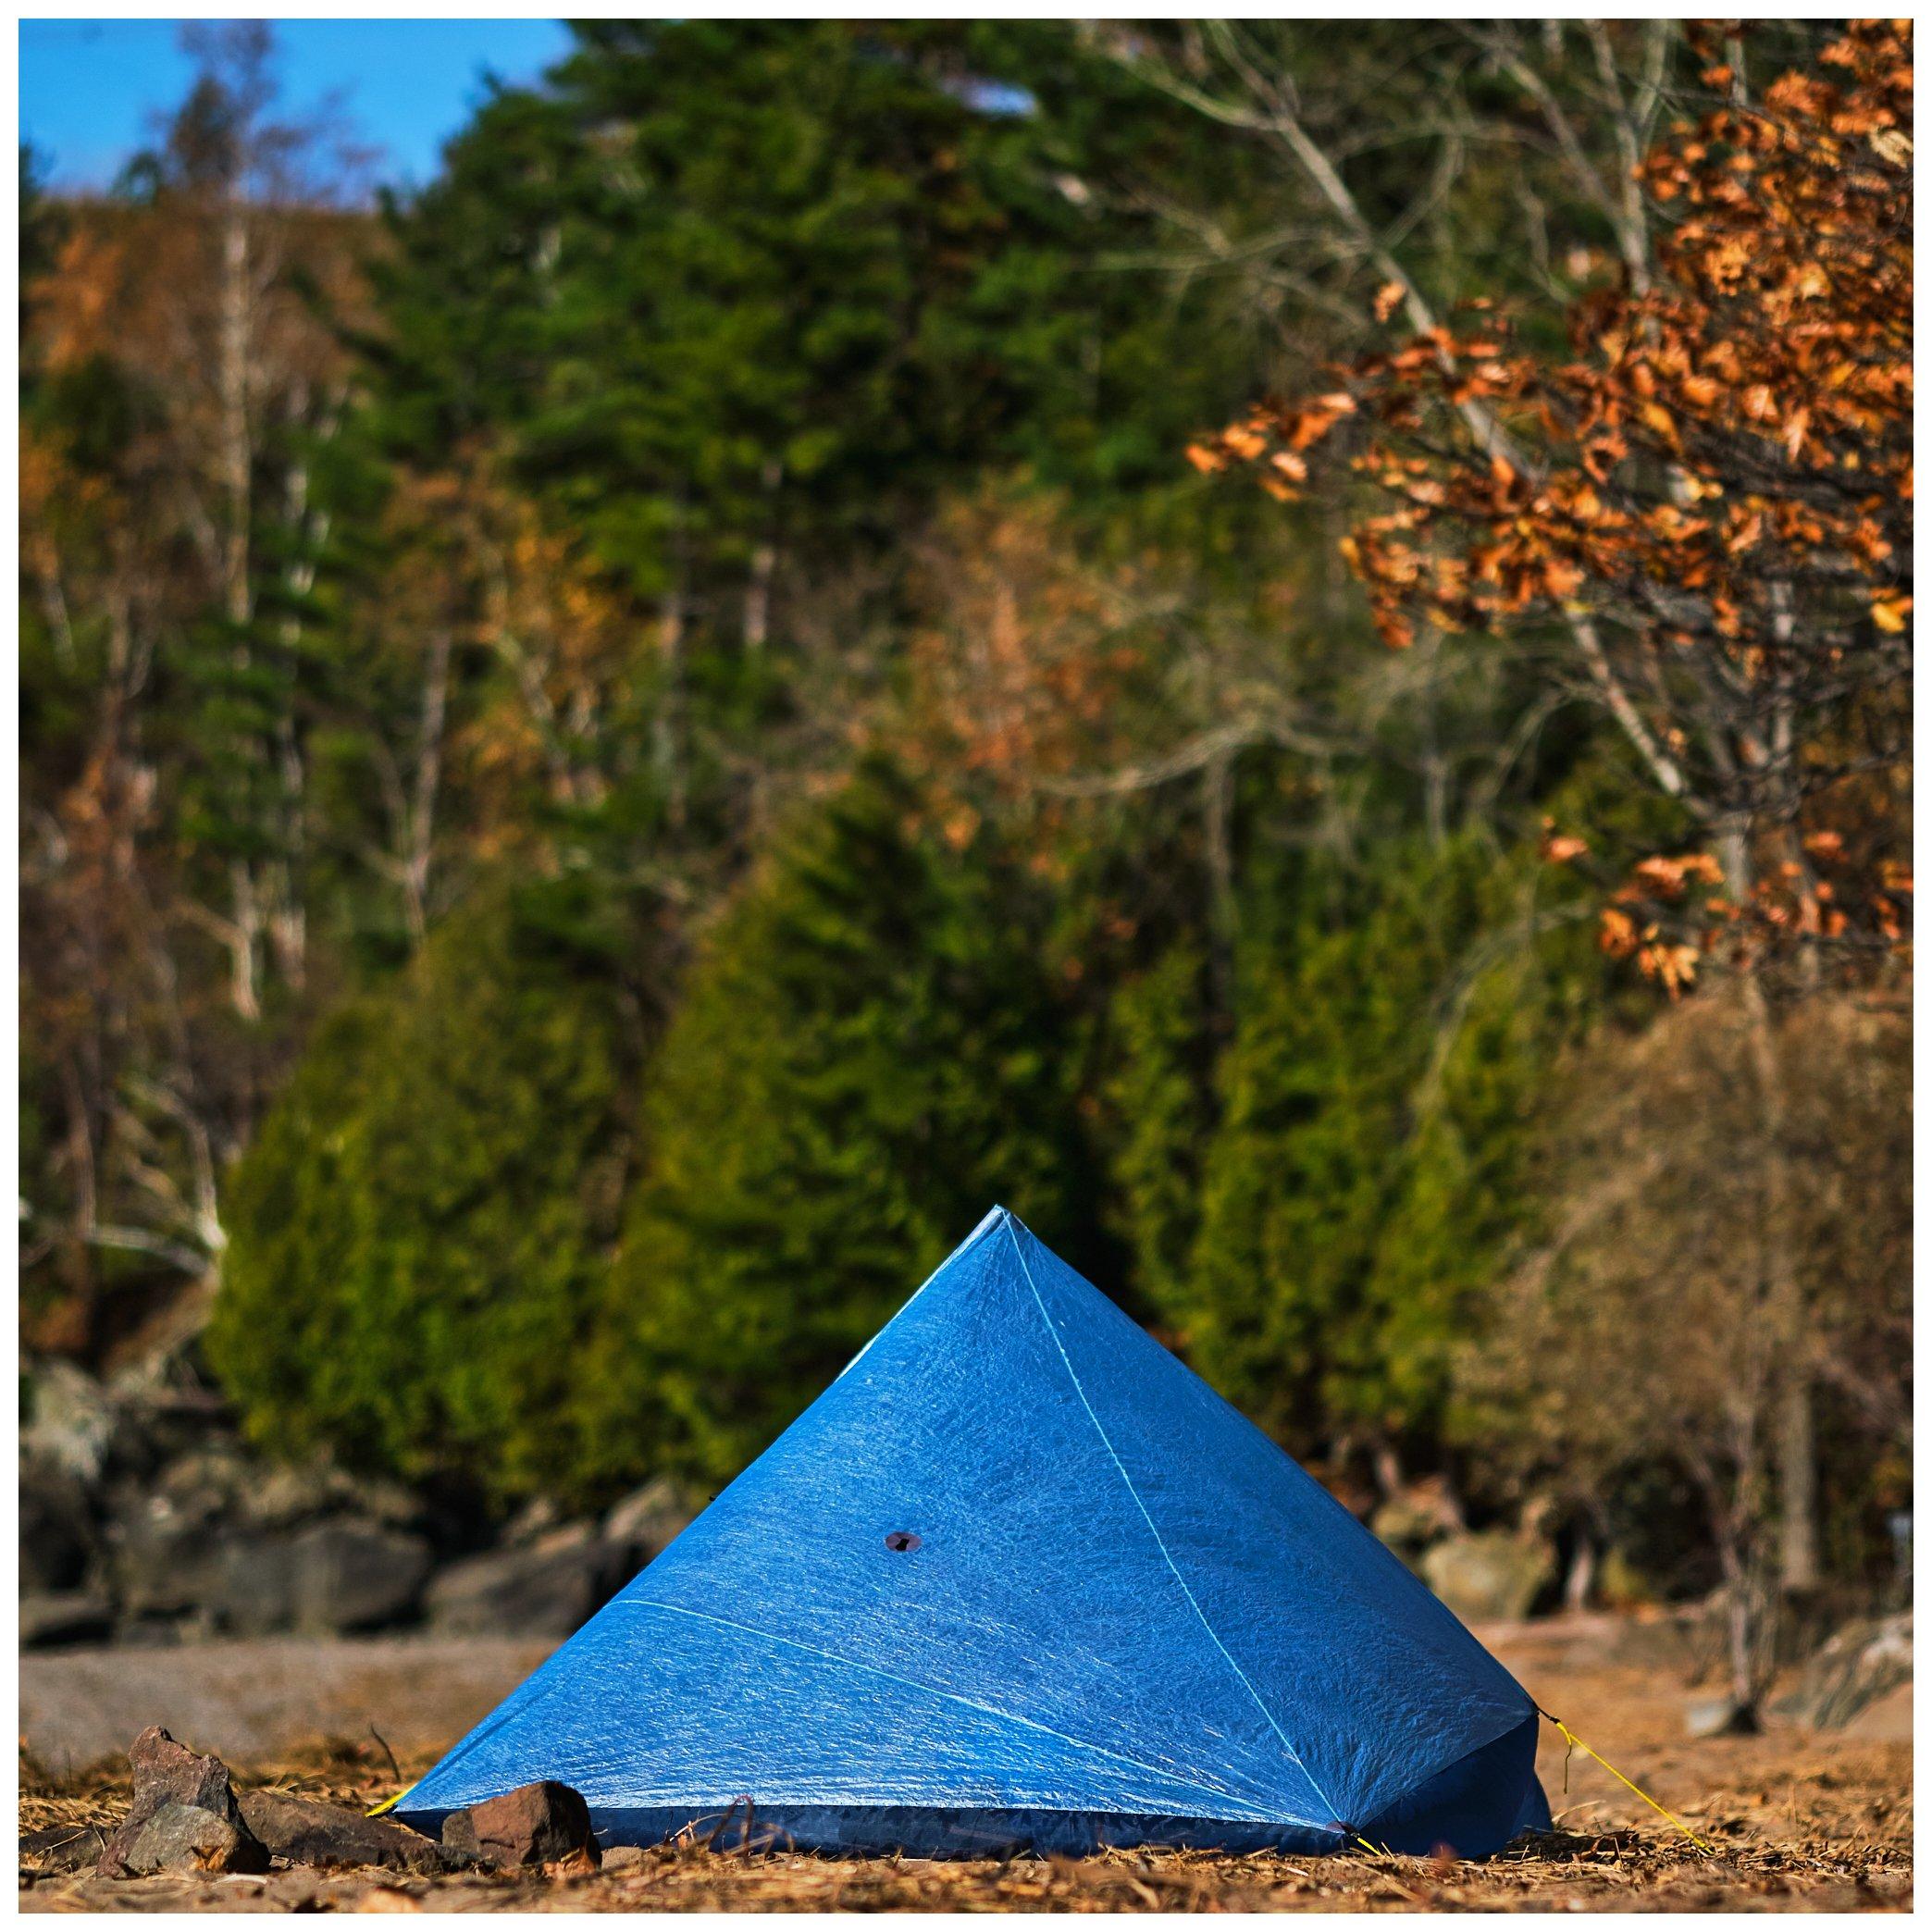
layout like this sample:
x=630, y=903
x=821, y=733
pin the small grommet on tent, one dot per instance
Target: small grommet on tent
x=902, y=1540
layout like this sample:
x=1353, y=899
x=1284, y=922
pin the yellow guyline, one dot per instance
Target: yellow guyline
x=1574, y=1742
x=1577, y=1743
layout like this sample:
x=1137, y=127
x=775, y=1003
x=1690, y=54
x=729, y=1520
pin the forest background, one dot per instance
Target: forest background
x=614, y=748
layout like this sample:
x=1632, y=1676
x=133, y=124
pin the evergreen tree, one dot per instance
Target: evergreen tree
x=419, y=1233
x=1375, y=1106
x=1160, y=1119
x=873, y=1048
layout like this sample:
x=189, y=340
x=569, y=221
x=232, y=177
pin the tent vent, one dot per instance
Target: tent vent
x=902, y=1540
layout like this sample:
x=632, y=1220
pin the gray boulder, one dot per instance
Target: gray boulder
x=650, y=1517
x=354, y=1575
x=545, y=1590
x=194, y=1547
x=170, y=1540
x=285, y=1496
x=162, y=1562
x=1860, y=1664
x=1491, y=1575
x=59, y=1539
x=50, y=1618
x=335, y=1575
x=70, y=1421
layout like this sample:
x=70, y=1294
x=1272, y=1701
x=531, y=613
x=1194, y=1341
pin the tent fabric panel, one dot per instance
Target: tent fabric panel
x=669, y=1714
x=1037, y=1584
x=1375, y=1682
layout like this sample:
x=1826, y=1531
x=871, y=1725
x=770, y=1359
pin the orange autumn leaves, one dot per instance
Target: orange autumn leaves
x=1712, y=489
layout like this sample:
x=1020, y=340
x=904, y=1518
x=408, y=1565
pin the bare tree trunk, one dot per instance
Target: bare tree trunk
x=428, y=777
x=241, y=933
x=288, y=923
x=665, y=729
x=1577, y=1585
x=237, y=467
x=1730, y=1520
x=764, y=567
x=1794, y=1436
x=232, y=385
x=1217, y=810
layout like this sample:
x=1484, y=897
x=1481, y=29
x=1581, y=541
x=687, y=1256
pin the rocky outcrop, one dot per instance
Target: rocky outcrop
x=1862, y=1664
x=144, y=1518
x=51, y=1618
x=650, y=1517
x=548, y=1587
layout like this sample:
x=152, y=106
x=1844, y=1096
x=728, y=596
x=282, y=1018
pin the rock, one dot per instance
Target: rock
x=566, y=1536
x=1887, y=1720
x=158, y=1569
x=527, y=1591
x=168, y=1543
x=184, y=1838
x=351, y=1576
x=1856, y=1667
x=307, y=1832
x=1489, y=1577
x=1417, y=1515
x=170, y=1778
x=621, y=1859
x=286, y=1496
x=165, y=1770
x=57, y=1535
x=215, y=1478
x=64, y=1616
x=538, y=1516
x=1719, y=1717
x=540, y=1824
x=648, y=1518
x=71, y=1421
x=336, y=1575
x=62, y=1847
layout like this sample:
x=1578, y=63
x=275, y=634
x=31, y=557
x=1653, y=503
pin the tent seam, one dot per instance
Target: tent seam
x=891, y=1676
x=1154, y=1531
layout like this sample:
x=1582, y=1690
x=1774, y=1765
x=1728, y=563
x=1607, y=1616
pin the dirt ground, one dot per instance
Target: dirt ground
x=1797, y=1821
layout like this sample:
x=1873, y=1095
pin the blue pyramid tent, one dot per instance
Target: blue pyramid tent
x=1019, y=1579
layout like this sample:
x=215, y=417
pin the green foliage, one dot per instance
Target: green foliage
x=1376, y=1096
x=725, y=280
x=874, y=1049
x=1161, y=1117
x=419, y=1233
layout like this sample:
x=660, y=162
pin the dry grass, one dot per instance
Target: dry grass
x=1798, y=1821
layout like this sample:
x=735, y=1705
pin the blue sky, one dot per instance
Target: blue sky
x=90, y=89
